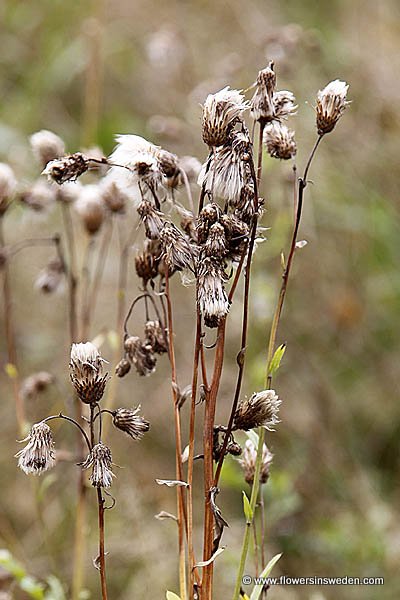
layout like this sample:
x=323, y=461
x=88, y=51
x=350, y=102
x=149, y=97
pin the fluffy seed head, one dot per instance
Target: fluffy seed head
x=284, y=105
x=331, y=102
x=90, y=207
x=38, y=455
x=131, y=422
x=261, y=409
x=86, y=369
x=46, y=146
x=248, y=462
x=221, y=112
x=68, y=168
x=36, y=383
x=114, y=198
x=100, y=460
x=147, y=261
x=39, y=196
x=279, y=141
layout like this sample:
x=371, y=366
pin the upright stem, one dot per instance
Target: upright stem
x=72, y=281
x=102, y=559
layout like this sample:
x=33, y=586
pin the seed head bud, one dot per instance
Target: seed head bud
x=262, y=105
x=123, y=367
x=177, y=251
x=279, y=141
x=156, y=337
x=86, y=369
x=331, y=102
x=90, y=207
x=100, y=460
x=248, y=462
x=38, y=455
x=46, y=146
x=261, y=409
x=209, y=214
x=212, y=298
x=152, y=219
x=141, y=355
x=68, y=168
x=131, y=422
x=221, y=112
x=8, y=183
x=51, y=277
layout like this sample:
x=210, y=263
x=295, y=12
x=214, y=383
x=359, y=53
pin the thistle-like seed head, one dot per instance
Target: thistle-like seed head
x=38, y=455
x=331, y=102
x=152, y=219
x=221, y=112
x=261, y=409
x=46, y=146
x=36, y=383
x=129, y=421
x=86, y=368
x=284, y=105
x=51, y=277
x=212, y=298
x=262, y=105
x=279, y=141
x=90, y=207
x=248, y=462
x=68, y=168
x=147, y=261
x=114, y=197
x=177, y=251
x=156, y=337
x=123, y=367
x=100, y=460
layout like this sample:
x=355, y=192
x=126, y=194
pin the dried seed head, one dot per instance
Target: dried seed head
x=51, y=277
x=221, y=112
x=91, y=208
x=169, y=166
x=248, y=462
x=114, y=198
x=147, y=261
x=216, y=242
x=331, y=102
x=177, y=251
x=123, y=367
x=262, y=105
x=100, y=460
x=68, y=168
x=225, y=172
x=209, y=214
x=36, y=383
x=39, y=196
x=261, y=409
x=141, y=355
x=156, y=337
x=284, y=105
x=38, y=455
x=8, y=183
x=188, y=222
x=46, y=146
x=131, y=422
x=152, y=219
x=212, y=298
x=279, y=141
x=86, y=369
x=236, y=232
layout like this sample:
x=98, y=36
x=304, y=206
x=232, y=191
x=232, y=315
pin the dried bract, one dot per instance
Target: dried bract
x=100, y=460
x=248, y=462
x=221, y=112
x=331, y=102
x=86, y=369
x=279, y=141
x=261, y=409
x=68, y=168
x=38, y=455
x=46, y=146
x=129, y=421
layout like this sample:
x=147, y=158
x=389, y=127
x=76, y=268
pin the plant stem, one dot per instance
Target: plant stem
x=72, y=281
x=102, y=559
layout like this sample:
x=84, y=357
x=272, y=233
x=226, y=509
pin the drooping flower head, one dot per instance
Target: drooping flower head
x=67, y=168
x=100, y=460
x=331, y=102
x=221, y=112
x=86, y=372
x=178, y=253
x=212, y=298
x=129, y=421
x=261, y=409
x=141, y=355
x=38, y=455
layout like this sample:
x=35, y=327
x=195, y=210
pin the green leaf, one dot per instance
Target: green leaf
x=255, y=594
x=34, y=589
x=276, y=360
x=172, y=596
x=248, y=513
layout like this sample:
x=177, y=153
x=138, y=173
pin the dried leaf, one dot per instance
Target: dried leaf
x=220, y=522
x=205, y=563
x=163, y=515
x=185, y=454
x=172, y=482
x=301, y=243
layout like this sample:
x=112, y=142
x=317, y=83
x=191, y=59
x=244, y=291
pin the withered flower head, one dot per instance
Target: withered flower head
x=262, y=105
x=279, y=141
x=331, y=102
x=100, y=460
x=156, y=337
x=38, y=455
x=131, y=422
x=236, y=232
x=8, y=183
x=177, y=251
x=212, y=298
x=90, y=207
x=114, y=197
x=46, y=146
x=36, y=383
x=221, y=112
x=209, y=214
x=169, y=166
x=152, y=219
x=248, y=462
x=216, y=242
x=50, y=278
x=147, y=261
x=123, y=367
x=284, y=105
x=141, y=355
x=67, y=168
x=261, y=409
x=86, y=369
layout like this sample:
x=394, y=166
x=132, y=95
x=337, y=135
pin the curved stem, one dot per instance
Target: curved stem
x=61, y=416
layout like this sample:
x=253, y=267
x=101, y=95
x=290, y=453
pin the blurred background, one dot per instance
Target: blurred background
x=88, y=71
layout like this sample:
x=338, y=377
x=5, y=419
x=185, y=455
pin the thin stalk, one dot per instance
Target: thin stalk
x=178, y=444
x=72, y=280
